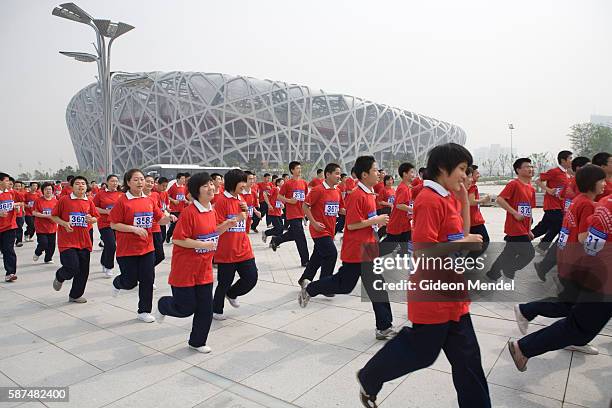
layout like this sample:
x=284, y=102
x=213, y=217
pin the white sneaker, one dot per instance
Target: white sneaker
x=386, y=334
x=108, y=273
x=234, y=302
x=159, y=318
x=154, y=287
x=264, y=237
x=201, y=349
x=35, y=257
x=303, y=296
x=521, y=321
x=219, y=316
x=115, y=292
x=49, y=262
x=586, y=349
x=146, y=317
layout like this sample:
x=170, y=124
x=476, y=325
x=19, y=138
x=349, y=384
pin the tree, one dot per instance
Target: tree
x=541, y=162
x=24, y=176
x=587, y=139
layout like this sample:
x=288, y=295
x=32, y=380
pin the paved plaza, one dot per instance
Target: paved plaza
x=269, y=353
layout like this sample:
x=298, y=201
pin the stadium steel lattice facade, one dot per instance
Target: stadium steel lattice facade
x=222, y=120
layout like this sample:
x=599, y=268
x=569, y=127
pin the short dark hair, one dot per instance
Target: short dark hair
x=330, y=168
x=387, y=177
x=149, y=176
x=249, y=173
x=343, y=175
x=319, y=171
x=285, y=175
x=277, y=181
x=34, y=182
x=563, y=155
x=363, y=164
x=69, y=179
x=179, y=175
x=579, y=162
x=162, y=180
x=422, y=170
x=601, y=159
x=474, y=167
x=519, y=162
x=446, y=157
x=274, y=177
x=75, y=178
x=214, y=176
x=110, y=176
x=4, y=175
x=233, y=177
x=293, y=165
x=266, y=175
x=187, y=174
x=195, y=182
x=588, y=176
x=45, y=185
x=18, y=182
x=469, y=170
x=404, y=168
x=12, y=179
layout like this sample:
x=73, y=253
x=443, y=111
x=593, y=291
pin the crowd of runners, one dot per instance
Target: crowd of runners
x=210, y=219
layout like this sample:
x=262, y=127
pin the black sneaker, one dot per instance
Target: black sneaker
x=304, y=264
x=19, y=244
x=366, y=400
x=540, y=271
x=273, y=245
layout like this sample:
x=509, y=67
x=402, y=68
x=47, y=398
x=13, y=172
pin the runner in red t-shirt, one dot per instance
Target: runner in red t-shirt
x=31, y=196
x=385, y=200
x=443, y=325
x=604, y=160
x=275, y=211
x=234, y=252
x=191, y=275
x=251, y=196
x=75, y=214
x=317, y=180
x=518, y=199
x=158, y=240
x=8, y=226
x=19, y=212
x=322, y=206
x=477, y=221
x=263, y=186
x=164, y=201
x=399, y=226
x=380, y=185
x=293, y=193
x=553, y=182
x=94, y=188
x=67, y=186
x=105, y=200
x=359, y=249
x=177, y=195
x=585, y=257
x=132, y=218
x=45, y=227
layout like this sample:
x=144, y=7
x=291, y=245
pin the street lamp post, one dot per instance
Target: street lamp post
x=102, y=28
x=511, y=128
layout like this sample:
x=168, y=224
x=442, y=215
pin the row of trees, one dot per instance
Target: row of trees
x=60, y=174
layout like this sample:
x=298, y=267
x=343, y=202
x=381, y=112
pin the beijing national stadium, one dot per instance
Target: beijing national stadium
x=215, y=119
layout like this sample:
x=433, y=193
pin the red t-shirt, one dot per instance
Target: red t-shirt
x=179, y=193
x=140, y=212
x=252, y=203
x=417, y=190
x=66, y=190
x=19, y=198
x=217, y=195
x=557, y=179
x=74, y=211
x=234, y=244
x=569, y=192
x=264, y=186
x=575, y=221
x=154, y=196
x=476, y=217
x=416, y=182
x=57, y=189
x=598, y=248
x=30, y=199
x=399, y=221
x=191, y=267
x=360, y=206
x=315, y=182
x=607, y=190
x=7, y=204
x=95, y=191
x=276, y=206
x=44, y=206
x=436, y=219
x=296, y=189
x=521, y=197
x=349, y=185
x=379, y=187
x=385, y=194
x=106, y=200
x=324, y=205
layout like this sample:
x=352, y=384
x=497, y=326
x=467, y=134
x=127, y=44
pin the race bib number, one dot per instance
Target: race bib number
x=180, y=197
x=391, y=200
x=78, y=219
x=566, y=206
x=595, y=241
x=370, y=216
x=524, y=209
x=214, y=237
x=143, y=220
x=278, y=204
x=240, y=225
x=563, y=236
x=299, y=195
x=109, y=207
x=410, y=208
x=558, y=191
x=46, y=211
x=7, y=205
x=251, y=211
x=331, y=208
x=30, y=204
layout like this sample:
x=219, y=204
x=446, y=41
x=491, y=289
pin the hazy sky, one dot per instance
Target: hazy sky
x=542, y=65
